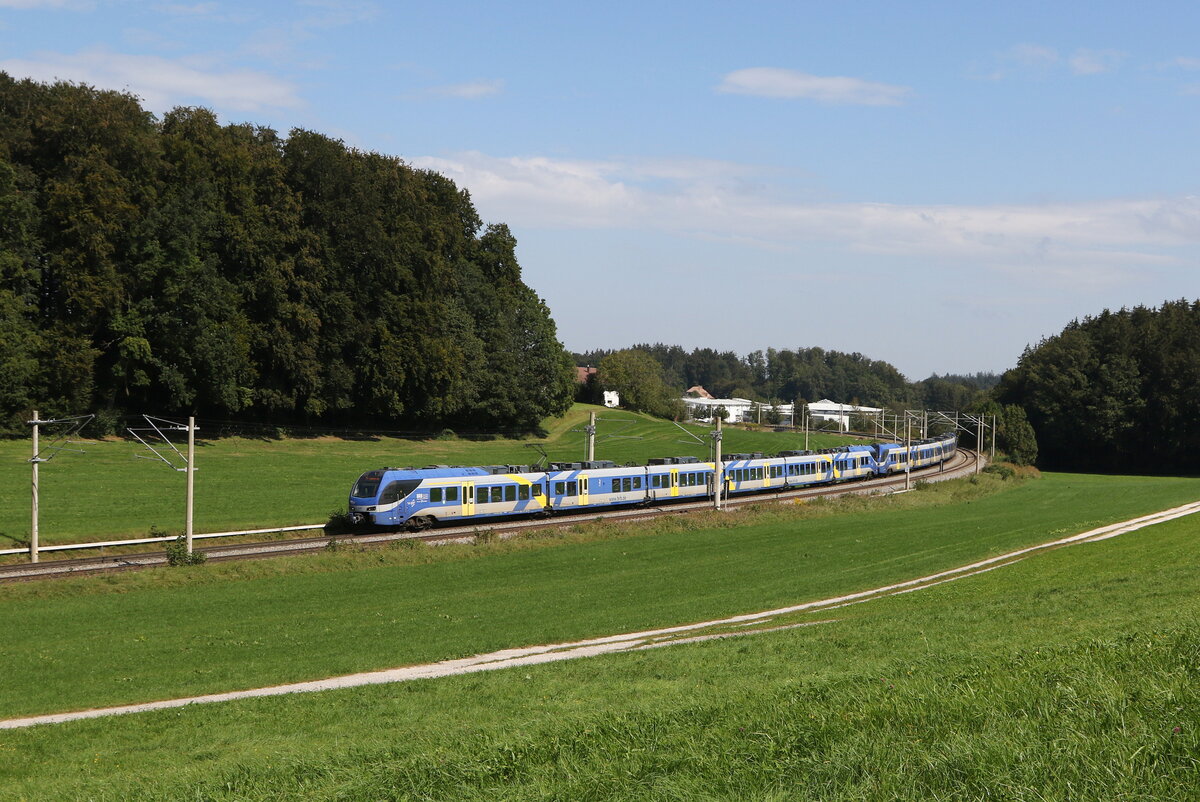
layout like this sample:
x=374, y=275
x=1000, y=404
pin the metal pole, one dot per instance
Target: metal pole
x=978, y=442
x=191, y=472
x=718, y=466
x=33, y=532
x=907, y=455
x=806, y=428
x=993, y=438
x=591, y=436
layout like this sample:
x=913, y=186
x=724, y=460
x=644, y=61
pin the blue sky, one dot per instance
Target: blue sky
x=933, y=184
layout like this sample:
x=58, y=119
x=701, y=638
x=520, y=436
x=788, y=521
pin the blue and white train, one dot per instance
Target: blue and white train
x=417, y=498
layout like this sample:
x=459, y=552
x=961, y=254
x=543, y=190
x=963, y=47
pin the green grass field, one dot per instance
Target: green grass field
x=107, y=493
x=1071, y=674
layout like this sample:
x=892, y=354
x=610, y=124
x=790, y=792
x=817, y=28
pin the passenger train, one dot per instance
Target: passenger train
x=417, y=498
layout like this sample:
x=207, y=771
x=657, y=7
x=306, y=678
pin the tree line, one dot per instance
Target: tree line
x=1119, y=391
x=179, y=265
x=783, y=376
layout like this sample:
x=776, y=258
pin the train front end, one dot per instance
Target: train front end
x=377, y=497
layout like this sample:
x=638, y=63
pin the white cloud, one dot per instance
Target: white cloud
x=783, y=83
x=1187, y=63
x=468, y=91
x=726, y=201
x=1027, y=55
x=161, y=83
x=1093, y=62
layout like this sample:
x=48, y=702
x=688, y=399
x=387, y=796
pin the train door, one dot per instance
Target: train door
x=583, y=490
x=468, y=499
x=674, y=482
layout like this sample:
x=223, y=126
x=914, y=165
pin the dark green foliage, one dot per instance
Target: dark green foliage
x=782, y=376
x=1119, y=391
x=1015, y=437
x=177, y=553
x=181, y=265
x=638, y=378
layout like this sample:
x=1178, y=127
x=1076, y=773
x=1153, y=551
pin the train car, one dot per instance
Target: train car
x=894, y=457
x=421, y=497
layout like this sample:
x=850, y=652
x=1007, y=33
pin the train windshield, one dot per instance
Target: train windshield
x=398, y=490
x=367, y=485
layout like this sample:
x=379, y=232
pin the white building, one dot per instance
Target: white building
x=827, y=410
x=743, y=410
x=612, y=398
x=739, y=410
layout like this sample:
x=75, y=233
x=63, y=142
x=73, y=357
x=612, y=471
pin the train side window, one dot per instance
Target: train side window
x=560, y=488
x=435, y=495
x=510, y=493
x=523, y=493
x=627, y=484
x=572, y=489
x=497, y=493
x=537, y=491
x=637, y=483
x=451, y=494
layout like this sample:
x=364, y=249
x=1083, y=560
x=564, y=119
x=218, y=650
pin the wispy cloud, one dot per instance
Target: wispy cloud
x=188, y=10
x=161, y=83
x=1094, y=62
x=32, y=4
x=727, y=201
x=783, y=83
x=1027, y=58
x=468, y=91
x=1028, y=55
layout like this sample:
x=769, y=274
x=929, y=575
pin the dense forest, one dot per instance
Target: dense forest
x=179, y=265
x=782, y=376
x=1119, y=391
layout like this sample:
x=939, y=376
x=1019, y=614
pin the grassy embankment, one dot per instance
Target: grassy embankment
x=1072, y=673
x=243, y=483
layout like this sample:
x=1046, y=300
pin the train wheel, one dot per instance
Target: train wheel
x=420, y=523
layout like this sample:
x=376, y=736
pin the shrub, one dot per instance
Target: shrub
x=177, y=553
x=1001, y=469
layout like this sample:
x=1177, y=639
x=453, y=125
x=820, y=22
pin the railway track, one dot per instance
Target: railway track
x=962, y=464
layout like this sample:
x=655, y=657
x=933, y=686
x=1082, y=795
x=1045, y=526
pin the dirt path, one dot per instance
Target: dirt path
x=735, y=626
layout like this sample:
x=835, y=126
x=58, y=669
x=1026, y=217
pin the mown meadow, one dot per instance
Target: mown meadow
x=1070, y=674
x=246, y=483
